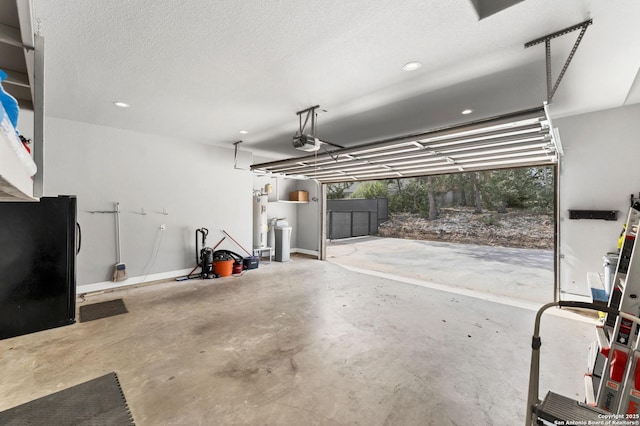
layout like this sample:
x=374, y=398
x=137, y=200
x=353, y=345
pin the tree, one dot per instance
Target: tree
x=475, y=191
x=415, y=197
x=371, y=189
x=543, y=194
x=530, y=188
x=398, y=196
x=336, y=190
x=431, y=191
x=459, y=184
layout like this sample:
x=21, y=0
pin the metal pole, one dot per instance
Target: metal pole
x=38, y=118
x=534, y=371
x=117, y=211
x=547, y=48
x=557, y=258
x=322, y=254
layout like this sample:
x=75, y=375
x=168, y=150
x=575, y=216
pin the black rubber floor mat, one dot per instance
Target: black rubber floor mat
x=96, y=402
x=102, y=310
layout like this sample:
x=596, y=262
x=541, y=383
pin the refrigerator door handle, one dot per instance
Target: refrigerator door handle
x=79, y=242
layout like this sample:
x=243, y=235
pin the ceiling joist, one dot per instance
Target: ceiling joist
x=519, y=139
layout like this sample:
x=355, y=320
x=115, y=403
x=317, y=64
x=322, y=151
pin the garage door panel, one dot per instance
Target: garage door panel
x=520, y=139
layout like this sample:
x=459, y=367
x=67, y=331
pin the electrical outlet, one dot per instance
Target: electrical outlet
x=163, y=227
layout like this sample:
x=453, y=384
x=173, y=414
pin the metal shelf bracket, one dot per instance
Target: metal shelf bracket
x=551, y=89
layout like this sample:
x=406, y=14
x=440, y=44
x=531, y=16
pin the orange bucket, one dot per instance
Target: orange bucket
x=223, y=267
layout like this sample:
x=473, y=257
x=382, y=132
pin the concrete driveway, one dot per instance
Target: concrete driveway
x=500, y=272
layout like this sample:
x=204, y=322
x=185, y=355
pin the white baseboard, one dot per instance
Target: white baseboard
x=305, y=251
x=110, y=285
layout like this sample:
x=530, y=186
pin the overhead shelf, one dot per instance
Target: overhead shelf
x=289, y=202
x=22, y=61
x=275, y=197
x=17, y=45
x=16, y=165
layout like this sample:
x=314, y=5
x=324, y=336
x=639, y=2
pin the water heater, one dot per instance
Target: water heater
x=260, y=224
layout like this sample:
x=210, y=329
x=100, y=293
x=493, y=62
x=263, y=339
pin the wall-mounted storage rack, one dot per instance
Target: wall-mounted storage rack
x=611, y=383
x=594, y=214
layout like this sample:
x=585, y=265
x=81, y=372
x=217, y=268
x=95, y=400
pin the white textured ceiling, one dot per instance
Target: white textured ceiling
x=203, y=70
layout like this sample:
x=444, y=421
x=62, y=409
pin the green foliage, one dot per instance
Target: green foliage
x=371, y=189
x=336, y=190
x=543, y=199
x=529, y=188
x=418, y=195
x=504, y=188
x=411, y=198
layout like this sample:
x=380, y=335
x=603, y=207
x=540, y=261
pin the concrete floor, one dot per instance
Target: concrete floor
x=514, y=273
x=304, y=343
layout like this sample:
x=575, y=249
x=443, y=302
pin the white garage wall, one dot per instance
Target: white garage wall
x=309, y=219
x=195, y=184
x=599, y=171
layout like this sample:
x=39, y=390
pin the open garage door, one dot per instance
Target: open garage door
x=520, y=139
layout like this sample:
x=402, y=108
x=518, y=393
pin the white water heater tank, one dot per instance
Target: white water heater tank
x=260, y=224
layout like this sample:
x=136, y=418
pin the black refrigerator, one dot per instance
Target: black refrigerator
x=39, y=242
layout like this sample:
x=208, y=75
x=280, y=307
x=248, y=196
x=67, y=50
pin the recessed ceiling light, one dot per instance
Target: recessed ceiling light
x=122, y=104
x=467, y=111
x=412, y=66
x=244, y=132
